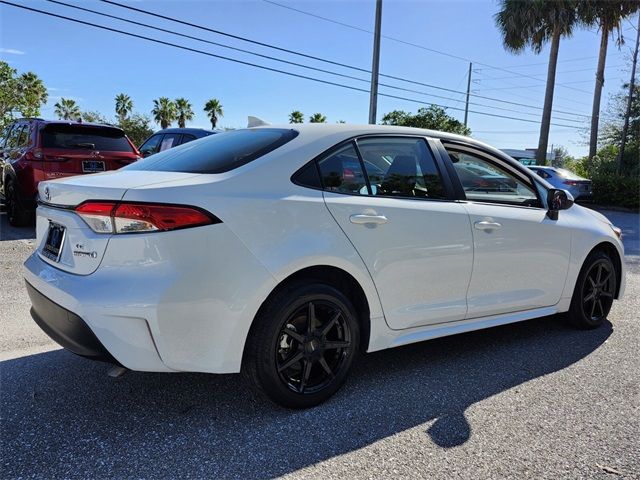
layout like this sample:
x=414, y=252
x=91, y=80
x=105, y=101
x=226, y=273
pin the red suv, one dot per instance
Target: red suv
x=32, y=150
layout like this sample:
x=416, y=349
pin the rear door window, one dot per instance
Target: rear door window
x=218, y=153
x=84, y=137
x=169, y=140
x=401, y=167
x=14, y=136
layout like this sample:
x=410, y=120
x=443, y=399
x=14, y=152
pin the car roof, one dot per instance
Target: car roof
x=68, y=122
x=186, y=130
x=344, y=131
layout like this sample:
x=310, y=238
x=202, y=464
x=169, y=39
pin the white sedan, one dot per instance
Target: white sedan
x=282, y=252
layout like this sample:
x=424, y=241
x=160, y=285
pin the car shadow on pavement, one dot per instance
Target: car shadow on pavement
x=62, y=416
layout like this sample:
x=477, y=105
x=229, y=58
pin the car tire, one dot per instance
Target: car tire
x=594, y=291
x=16, y=214
x=296, y=362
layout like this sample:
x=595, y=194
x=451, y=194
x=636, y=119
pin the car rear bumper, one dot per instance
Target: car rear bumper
x=66, y=328
x=164, y=302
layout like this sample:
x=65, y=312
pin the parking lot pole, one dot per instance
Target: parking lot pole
x=373, y=99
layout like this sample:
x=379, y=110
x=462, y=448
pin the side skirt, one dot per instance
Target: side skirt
x=382, y=337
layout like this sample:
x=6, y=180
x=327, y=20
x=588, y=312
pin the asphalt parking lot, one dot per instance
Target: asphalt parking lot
x=531, y=400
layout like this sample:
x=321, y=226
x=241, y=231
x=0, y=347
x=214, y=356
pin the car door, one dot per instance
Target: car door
x=389, y=196
x=521, y=256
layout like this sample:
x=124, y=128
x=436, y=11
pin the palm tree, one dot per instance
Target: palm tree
x=296, y=117
x=533, y=23
x=67, y=109
x=607, y=15
x=317, y=118
x=184, y=111
x=164, y=111
x=35, y=94
x=214, y=110
x=124, y=106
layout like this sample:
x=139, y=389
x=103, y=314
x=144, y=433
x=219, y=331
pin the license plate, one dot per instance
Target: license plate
x=53, y=245
x=92, y=166
x=584, y=188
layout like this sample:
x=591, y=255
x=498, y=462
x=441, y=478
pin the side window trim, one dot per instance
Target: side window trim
x=526, y=179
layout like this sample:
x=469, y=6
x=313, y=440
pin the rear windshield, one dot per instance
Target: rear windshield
x=85, y=137
x=217, y=153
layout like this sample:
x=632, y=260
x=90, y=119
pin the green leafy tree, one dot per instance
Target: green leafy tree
x=21, y=95
x=317, y=118
x=607, y=15
x=213, y=107
x=137, y=127
x=184, y=111
x=94, y=117
x=124, y=106
x=433, y=118
x=164, y=111
x=67, y=109
x=296, y=117
x=534, y=23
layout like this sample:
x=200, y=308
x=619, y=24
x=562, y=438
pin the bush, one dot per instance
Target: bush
x=616, y=190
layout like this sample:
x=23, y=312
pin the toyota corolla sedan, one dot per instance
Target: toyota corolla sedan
x=284, y=252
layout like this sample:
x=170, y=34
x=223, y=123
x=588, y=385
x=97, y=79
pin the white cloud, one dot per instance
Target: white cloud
x=12, y=51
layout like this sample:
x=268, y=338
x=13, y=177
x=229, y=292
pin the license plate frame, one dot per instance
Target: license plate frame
x=93, y=166
x=52, y=248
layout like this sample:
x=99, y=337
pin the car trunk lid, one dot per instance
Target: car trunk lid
x=63, y=239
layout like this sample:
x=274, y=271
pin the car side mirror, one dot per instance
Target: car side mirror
x=558, y=199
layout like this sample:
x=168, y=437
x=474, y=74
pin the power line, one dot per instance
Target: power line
x=395, y=87
x=395, y=39
x=364, y=70
x=263, y=67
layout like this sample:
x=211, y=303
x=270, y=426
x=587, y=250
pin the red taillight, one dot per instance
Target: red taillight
x=132, y=217
x=570, y=182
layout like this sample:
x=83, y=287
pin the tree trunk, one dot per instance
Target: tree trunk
x=597, y=93
x=543, y=143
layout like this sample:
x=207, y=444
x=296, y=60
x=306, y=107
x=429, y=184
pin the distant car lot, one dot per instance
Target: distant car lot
x=535, y=399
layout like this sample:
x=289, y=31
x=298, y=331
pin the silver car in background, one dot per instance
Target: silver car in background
x=578, y=186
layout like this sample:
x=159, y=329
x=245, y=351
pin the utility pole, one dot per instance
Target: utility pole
x=625, y=128
x=373, y=99
x=466, y=105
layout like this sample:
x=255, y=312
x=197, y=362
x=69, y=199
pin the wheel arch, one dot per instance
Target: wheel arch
x=613, y=253
x=337, y=278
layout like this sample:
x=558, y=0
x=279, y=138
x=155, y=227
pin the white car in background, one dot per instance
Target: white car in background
x=282, y=252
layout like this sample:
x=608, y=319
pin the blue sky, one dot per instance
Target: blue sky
x=92, y=66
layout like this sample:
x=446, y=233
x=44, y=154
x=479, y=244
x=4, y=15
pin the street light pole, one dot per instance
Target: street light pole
x=373, y=98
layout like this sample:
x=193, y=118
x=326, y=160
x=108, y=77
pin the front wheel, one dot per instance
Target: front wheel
x=302, y=345
x=594, y=291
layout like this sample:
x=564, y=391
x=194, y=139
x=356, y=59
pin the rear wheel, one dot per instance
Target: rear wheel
x=302, y=345
x=594, y=291
x=17, y=215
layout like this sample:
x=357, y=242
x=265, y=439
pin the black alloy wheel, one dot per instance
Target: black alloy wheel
x=302, y=344
x=595, y=291
x=313, y=346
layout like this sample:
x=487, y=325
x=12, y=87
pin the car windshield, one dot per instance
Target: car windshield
x=217, y=153
x=85, y=137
